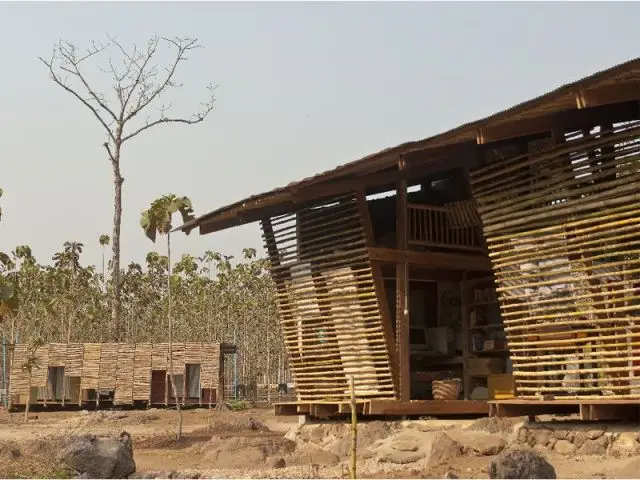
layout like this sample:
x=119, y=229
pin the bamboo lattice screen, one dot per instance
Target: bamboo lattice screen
x=562, y=224
x=329, y=312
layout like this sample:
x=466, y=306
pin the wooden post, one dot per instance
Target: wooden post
x=466, y=338
x=402, y=288
x=354, y=430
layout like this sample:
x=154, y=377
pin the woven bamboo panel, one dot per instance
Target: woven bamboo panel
x=193, y=353
x=178, y=358
x=160, y=356
x=73, y=364
x=19, y=379
x=326, y=297
x=123, y=394
x=210, y=366
x=91, y=365
x=142, y=372
x=40, y=373
x=562, y=225
x=108, y=366
x=57, y=354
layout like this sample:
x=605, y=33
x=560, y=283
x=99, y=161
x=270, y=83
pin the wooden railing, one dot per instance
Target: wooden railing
x=431, y=226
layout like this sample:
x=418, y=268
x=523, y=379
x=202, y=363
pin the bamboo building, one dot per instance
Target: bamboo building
x=111, y=374
x=493, y=268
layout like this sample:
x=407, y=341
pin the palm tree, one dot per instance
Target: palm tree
x=157, y=220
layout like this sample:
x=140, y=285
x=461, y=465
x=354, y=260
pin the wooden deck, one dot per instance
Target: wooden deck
x=385, y=408
x=588, y=409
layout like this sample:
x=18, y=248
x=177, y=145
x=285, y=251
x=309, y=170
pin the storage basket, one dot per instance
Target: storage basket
x=446, y=389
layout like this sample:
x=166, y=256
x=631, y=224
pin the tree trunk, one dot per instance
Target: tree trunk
x=115, y=246
x=170, y=321
x=26, y=407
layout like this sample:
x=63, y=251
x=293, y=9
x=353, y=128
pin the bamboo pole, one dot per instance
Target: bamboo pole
x=354, y=430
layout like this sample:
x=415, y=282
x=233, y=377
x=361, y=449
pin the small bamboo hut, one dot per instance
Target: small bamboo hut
x=498, y=261
x=118, y=374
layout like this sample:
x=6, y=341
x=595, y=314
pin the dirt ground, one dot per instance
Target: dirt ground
x=249, y=444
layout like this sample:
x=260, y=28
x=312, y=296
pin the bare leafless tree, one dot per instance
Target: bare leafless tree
x=139, y=83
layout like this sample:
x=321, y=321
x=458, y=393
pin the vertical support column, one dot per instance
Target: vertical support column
x=402, y=289
x=466, y=338
x=378, y=282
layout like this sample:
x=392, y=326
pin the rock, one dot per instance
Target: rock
x=478, y=443
x=522, y=435
x=442, y=448
x=579, y=438
x=564, y=447
x=626, y=445
x=186, y=474
x=405, y=446
x=594, y=434
x=294, y=433
x=521, y=464
x=594, y=447
x=399, y=457
x=99, y=457
x=561, y=434
x=275, y=462
x=256, y=425
x=450, y=474
x=542, y=437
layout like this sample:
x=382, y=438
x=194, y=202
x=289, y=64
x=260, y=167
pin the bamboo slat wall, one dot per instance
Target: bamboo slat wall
x=19, y=378
x=210, y=366
x=124, y=368
x=562, y=225
x=329, y=312
x=123, y=394
x=142, y=372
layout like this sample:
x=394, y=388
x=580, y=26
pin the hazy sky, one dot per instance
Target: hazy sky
x=303, y=87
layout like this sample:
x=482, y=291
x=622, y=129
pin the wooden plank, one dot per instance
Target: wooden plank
x=429, y=407
x=402, y=294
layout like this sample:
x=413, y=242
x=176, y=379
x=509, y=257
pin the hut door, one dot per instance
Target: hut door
x=158, y=386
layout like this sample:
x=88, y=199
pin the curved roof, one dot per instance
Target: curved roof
x=615, y=84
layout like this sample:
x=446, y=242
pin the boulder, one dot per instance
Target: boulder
x=594, y=447
x=99, y=457
x=521, y=464
x=478, y=443
x=626, y=445
x=275, y=462
x=564, y=447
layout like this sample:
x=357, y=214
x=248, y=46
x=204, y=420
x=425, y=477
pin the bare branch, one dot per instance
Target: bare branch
x=109, y=152
x=66, y=50
x=199, y=117
x=147, y=95
x=59, y=81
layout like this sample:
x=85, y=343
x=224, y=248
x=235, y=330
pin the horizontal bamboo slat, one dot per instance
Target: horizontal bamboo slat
x=57, y=355
x=562, y=224
x=19, y=378
x=160, y=354
x=210, y=367
x=108, y=366
x=328, y=307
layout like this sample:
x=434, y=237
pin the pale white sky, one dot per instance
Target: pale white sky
x=302, y=87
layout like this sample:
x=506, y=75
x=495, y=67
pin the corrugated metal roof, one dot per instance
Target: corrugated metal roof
x=389, y=156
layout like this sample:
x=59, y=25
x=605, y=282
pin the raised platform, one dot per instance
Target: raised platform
x=385, y=408
x=588, y=409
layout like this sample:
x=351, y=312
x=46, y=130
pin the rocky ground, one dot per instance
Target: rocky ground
x=256, y=444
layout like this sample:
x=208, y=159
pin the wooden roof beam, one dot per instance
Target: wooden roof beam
x=566, y=120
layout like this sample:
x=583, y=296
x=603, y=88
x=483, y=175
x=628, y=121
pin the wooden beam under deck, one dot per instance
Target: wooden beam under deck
x=432, y=260
x=588, y=409
x=385, y=408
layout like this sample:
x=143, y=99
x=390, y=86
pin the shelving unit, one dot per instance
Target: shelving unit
x=482, y=323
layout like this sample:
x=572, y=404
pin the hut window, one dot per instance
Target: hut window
x=193, y=381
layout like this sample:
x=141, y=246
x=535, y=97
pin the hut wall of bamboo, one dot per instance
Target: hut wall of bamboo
x=123, y=368
x=330, y=316
x=562, y=223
